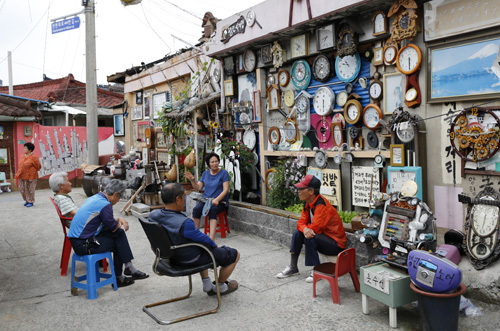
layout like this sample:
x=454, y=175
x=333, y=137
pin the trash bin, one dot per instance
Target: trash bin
x=439, y=311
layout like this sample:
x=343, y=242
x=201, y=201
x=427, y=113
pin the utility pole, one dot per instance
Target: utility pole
x=11, y=83
x=91, y=82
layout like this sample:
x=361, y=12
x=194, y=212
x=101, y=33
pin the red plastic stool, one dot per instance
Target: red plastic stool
x=346, y=264
x=222, y=224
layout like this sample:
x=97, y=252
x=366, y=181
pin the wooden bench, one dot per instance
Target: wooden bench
x=4, y=183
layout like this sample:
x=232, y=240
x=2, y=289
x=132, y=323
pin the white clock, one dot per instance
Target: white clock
x=411, y=94
x=409, y=59
x=245, y=121
x=375, y=90
x=405, y=131
x=283, y=77
x=379, y=23
x=326, y=37
x=348, y=67
x=390, y=54
x=323, y=101
x=290, y=132
x=372, y=116
x=338, y=138
x=249, y=139
x=342, y=98
x=321, y=159
x=302, y=104
x=250, y=18
x=484, y=219
x=249, y=60
x=289, y=98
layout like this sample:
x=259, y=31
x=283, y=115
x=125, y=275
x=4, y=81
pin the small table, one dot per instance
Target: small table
x=387, y=285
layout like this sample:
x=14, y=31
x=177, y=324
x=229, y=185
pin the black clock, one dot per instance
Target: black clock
x=321, y=68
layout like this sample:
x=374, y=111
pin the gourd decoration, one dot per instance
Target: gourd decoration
x=172, y=173
x=190, y=160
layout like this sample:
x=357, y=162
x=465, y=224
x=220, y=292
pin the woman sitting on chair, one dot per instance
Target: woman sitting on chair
x=216, y=183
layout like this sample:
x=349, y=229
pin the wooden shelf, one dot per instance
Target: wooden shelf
x=357, y=154
x=481, y=172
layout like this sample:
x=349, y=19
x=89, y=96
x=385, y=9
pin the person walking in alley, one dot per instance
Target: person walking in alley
x=27, y=174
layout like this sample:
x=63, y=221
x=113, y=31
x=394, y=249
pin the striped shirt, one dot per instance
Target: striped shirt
x=65, y=204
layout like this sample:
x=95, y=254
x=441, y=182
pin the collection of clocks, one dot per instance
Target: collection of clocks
x=348, y=67
x=321, y=68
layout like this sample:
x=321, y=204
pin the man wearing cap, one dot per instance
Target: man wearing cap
x=319, y=228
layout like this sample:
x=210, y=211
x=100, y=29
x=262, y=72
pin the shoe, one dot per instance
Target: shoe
x=25, y=203
x=125, y=282
x=137, y=275
x=310, y=278
x=287, y=273
x=29, y=205
x=232, y=286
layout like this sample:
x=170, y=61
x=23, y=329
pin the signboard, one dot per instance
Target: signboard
x=330, y=185
x=364, y=180
x=65, y=25
x=379, y=280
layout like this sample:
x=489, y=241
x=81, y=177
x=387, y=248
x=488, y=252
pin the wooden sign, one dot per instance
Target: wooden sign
x=330, y=185
x=364, y=180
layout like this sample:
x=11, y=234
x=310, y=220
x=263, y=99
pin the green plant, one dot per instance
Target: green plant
x=347, y=216
x=246, y=156
x=283, y=194
x=194, y=78
x=297, y=208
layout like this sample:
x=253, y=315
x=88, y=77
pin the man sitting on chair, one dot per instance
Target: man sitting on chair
x=181, y=229
x=60, y=184
x=319, y=228
x=95, y=230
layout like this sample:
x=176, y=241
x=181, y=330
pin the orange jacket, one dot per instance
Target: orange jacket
x=325, y=220
x=28, y=167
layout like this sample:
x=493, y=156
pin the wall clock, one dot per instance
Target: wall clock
x=406, y=24
x=379, y=20
x=342, y=98
x=299, y=45
x=482, y=227
x=290, y=131
x=406, y=131
x=353, y=132
x=348, y=67
x=352, y=111
x=277, y=55
x=249, y=139
x=274, y=135
x=270, y=80
x=321, y=159
x=301, y=74
x=245, y=121
x=321, y=68
x=266, y=54
x=325, y=37
x=376, y=89
x=413, y=97
x=229, y=67
x=337, y=134
x=472, y=141
x=271, y=175
x=372, y=116
x=323, y=101
x=273, y=97
x=323, y=130
x=409, y=59
x=390, y=51
x=289, y=98
x=283, y=77
x=398, y=176
x=372, y=139
x=249, y=60
x=302, y=106
x=252, y=19
x=216, y=74
x=347, y=44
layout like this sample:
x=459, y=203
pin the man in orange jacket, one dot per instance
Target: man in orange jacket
x=320, y=228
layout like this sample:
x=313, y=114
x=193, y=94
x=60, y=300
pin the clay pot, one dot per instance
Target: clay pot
x=172, y=173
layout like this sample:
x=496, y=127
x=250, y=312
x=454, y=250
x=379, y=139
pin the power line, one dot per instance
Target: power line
x=169, y=12
x=162, y=22
x=184, y=10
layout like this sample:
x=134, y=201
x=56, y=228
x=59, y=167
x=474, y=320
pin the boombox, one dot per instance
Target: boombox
x=432, y=272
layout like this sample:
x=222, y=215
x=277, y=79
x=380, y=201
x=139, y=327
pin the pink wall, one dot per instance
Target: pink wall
x=58, y=148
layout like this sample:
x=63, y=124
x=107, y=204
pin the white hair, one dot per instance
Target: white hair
x=57, y=179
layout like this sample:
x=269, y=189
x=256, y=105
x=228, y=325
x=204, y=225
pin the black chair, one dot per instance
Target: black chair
x=163, y=266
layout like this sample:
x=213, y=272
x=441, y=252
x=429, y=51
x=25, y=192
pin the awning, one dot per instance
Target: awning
x=64, y=109
x=184, y=112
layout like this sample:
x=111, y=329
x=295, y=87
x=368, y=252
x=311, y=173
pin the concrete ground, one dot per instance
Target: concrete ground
x=33, y=295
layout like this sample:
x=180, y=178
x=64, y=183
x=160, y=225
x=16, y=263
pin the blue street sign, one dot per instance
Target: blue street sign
x=67, y=24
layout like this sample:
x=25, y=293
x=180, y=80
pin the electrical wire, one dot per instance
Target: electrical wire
x=151, y=27
x=29, y=9
x=169, y=12
x=184, y=10
x=5, y=1
x=162, y=22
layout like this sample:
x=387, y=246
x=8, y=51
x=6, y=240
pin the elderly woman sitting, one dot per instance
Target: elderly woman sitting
x=60, y=184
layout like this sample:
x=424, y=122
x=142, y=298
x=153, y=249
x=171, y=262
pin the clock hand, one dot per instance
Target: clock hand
x=409, y=63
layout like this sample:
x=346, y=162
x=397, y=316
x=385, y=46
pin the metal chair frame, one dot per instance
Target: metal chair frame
x=164, y=250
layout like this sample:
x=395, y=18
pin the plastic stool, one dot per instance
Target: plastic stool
x=93, y=276
x=222, y=224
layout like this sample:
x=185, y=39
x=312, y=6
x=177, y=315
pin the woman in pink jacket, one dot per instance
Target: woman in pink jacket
x=27, y=174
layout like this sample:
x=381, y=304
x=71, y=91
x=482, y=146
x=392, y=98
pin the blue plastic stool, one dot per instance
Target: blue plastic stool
x=93, y=276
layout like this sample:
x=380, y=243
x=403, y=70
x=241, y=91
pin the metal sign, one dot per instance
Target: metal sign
x=65, y=25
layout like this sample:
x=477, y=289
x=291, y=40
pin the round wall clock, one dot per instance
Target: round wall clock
x=321, y=159
x=255, y=159
x=371, y=116
x=283, y=77
x=323, y=101
x=321, y=68
x=411, y=94
x=216, y=74
x=342, y=98
x=289, y=98
x=249, y=60
x=249, y=139
x=372, y=139
x=390, y=54
x=290, y=131
x=271, y=175
x=348, y=67
x=323, y=130
x=352, y=111
x=405, y=132
x=376, y=90
x=338, y=137
x=353, y=132
x=302, y=103
x=245, y=121
x=301, y=74
x=409, y=59
x=250, y=17
x=274, y=135
x=379, y=161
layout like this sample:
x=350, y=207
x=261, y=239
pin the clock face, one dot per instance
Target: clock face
x=273, y=102
x=352, y=112
x=409, y=59
x=290, y=132
x=299, y=46
x=302, y=104
x=405, y=132
x=320, y=159
x=274, y=135
x=325, y=37
x=379, y=23
x=245, y=121
x=300, y=71
x=342, y=98
x=379, y=159
x=484, y=219
x=321, y=68
x=347, y=39
x=337, y=135
x=375, y=91
x=348, y=67
x=249, y=60
x=404, y=21
x=249, y=139
x=289, y=98
x=390, y=54
x=371, y=116
x=283, y=77
x=323, y=100
x=301, y=75
x=411, y=94
x=323, y=131
x=250, y=18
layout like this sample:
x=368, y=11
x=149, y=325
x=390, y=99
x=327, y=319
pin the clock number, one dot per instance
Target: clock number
x=474, y=157
x=474, y=111
x=498, y=134
x=452, y=135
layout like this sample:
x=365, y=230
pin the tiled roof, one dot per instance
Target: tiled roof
x=67, y=90
x=11, y=106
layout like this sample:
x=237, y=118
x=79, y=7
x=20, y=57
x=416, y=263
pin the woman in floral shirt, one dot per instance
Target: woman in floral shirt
x=27, y=174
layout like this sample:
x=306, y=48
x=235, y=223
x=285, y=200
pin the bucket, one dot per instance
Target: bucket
x=439, y=311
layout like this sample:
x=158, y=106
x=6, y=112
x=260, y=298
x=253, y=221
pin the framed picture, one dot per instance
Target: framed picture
x=257, y=107
x=228, y=88
x=159, y=100
x=4, y=156
x=378, y=56
x=138, y=97
x=137, y=113
x=147, y=108
x=394, y=90
x=466, y=70
x=398, y=155
x=266, y=54
x=141, y=130
x=118, y=125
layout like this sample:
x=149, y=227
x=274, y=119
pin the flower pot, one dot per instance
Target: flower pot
x=439, y=311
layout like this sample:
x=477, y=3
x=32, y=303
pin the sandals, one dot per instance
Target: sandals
x=137, y=275
x=232, y=286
